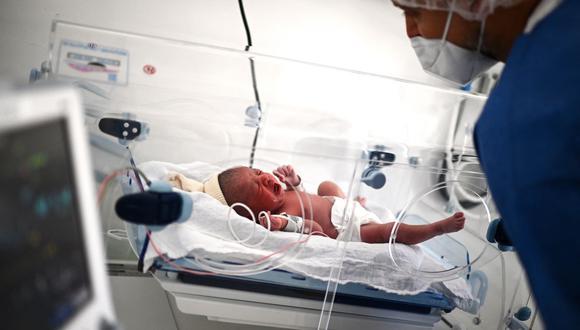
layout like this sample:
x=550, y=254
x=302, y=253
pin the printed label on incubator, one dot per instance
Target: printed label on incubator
x=91, y=61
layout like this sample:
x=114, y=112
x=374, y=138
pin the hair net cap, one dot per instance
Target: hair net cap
x=468, y=9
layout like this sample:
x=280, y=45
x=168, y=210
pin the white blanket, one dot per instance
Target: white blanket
x=206, y=233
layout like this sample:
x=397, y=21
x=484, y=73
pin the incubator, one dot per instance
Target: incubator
x=156, y=107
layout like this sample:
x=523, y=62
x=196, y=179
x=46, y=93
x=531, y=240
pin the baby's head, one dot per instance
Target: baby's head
x=260, y=191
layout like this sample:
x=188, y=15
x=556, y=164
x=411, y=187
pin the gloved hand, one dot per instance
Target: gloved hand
x=287, y=175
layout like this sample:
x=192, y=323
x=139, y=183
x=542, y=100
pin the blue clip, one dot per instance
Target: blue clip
x=496, y=234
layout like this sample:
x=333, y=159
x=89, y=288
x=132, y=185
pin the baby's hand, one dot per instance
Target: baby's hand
x=287, y=175
x=276, y=223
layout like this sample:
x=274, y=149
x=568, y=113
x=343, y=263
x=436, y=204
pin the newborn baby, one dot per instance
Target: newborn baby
x=260, y=191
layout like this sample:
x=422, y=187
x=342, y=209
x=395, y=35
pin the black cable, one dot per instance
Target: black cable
x=254, y=82
x=254, y=143
x=246, y=26
x=137, y=174
x=141, y=260
x=257, y=133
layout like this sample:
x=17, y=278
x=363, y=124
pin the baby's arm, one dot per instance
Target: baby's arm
x=276, y=223
x=279, y=223
x=329, y=188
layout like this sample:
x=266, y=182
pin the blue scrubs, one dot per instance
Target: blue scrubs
x=528, y=140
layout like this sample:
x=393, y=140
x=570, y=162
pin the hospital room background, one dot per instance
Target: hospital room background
x=325, y=86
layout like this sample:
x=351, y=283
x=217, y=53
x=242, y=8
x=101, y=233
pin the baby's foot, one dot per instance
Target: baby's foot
x=452, y=224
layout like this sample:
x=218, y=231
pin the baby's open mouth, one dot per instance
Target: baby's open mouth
x=277, y=188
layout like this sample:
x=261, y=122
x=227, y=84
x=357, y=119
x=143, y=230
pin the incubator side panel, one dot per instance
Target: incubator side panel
x=402, y=153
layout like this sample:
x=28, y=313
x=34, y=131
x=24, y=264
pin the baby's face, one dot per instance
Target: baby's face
x=262, y=190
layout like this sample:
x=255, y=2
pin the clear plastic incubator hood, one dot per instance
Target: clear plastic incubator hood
x=156, y=107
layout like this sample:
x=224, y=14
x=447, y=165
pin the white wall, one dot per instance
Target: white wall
x=365, y=35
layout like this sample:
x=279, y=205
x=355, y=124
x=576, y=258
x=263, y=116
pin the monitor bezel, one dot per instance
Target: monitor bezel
x=33, y=106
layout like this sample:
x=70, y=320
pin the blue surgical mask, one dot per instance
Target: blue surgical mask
x=450, y=62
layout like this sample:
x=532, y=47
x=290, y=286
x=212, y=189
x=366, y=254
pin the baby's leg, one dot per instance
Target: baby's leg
x=376, y=232
x=329, y=188
x=411, y=234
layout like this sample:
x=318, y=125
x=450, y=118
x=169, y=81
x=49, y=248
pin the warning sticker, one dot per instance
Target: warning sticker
x=91, y=61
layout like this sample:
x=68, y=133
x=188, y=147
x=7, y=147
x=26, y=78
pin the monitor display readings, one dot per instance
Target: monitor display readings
x=44, y=280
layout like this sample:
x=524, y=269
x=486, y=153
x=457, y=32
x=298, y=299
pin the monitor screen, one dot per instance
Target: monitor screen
x=44, y=280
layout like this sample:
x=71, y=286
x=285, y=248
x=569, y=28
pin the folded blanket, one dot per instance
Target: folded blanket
x=208, y=234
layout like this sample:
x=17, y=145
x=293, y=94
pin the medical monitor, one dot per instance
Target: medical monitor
x=53, y=273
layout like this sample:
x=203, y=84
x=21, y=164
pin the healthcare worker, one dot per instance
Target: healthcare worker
x=528, y=136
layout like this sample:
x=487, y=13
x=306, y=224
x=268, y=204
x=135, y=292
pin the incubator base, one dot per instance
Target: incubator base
x=247, y=307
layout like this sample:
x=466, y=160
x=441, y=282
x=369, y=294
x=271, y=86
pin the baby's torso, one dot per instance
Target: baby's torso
x=320, y=211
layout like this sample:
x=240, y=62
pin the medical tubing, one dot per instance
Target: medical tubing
x=258, y=266
x=118, y=234
x=140, y=261
x=336, y=271
x=104, y=185
x=190, y=271
x=533, y=319
x=503, y=293
x=132, y=161
x=398, y=222
x=107, y=180
x=233, y=232
x=289, y=245
x=103, y=188
x=267, y=217
x=453, y=200
x=529, y=297
x=331, y=288
x=510, y=308
x=170, y=262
